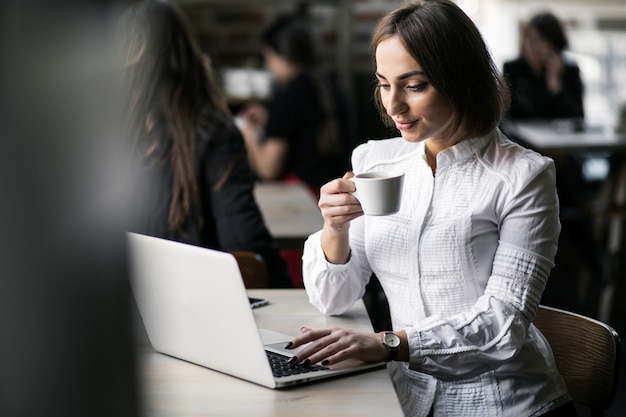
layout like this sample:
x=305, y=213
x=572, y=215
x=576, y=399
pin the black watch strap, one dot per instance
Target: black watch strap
x=392, y=354
x=392, y=350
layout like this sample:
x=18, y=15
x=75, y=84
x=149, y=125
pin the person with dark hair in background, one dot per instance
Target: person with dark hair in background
x=192, y=179
x=465, y=260
x=306, y=129
x=544, y=85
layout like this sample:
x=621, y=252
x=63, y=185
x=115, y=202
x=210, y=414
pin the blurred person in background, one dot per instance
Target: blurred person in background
x=543, y=83
x=306, y=130
x=192, y=181
x=546, y=86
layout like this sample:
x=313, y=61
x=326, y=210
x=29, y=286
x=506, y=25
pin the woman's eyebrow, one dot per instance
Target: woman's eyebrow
x=402, y=76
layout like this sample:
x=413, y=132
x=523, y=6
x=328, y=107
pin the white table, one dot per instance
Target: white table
x=561, y=136
x=174, y=388
x=290, y=211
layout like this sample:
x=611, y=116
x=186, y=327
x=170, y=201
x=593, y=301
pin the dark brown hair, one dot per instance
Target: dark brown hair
x=170, y=83
x=291, y=37
x=550, y=29
x=452, y=53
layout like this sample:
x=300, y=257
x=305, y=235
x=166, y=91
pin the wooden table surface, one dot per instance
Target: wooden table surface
x=172, y=387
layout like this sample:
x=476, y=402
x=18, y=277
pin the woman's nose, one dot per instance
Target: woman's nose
x=395, y=103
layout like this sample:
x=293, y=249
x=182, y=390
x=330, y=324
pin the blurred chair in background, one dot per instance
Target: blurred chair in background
x=609, y=217
x=253, y=269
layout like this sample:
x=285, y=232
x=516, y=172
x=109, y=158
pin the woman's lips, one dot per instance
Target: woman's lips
x=405, y=124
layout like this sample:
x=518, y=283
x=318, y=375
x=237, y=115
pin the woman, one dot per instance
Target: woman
x=306, y=130
x=544, y=84
x=192, y=181
x=465, y=260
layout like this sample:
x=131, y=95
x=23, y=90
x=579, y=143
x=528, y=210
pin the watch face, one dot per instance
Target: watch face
x=391, y=340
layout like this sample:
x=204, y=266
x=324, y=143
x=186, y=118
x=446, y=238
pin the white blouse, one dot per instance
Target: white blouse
x=463, y=265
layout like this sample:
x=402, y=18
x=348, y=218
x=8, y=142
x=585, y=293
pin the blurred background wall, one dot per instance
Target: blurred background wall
x=229, y=32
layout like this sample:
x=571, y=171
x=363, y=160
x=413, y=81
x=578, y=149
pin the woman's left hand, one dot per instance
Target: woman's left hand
x=334, y=345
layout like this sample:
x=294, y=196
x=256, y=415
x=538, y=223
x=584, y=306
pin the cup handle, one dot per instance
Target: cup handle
x=354, y=193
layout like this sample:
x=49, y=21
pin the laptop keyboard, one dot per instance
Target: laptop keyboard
x=280, y=366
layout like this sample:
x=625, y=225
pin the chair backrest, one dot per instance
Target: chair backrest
x=253, y=269
x=587, y=354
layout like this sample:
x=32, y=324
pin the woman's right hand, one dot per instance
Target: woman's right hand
x=337, y=205
x=338, y=208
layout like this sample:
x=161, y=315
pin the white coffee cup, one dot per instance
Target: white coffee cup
x=379, y=192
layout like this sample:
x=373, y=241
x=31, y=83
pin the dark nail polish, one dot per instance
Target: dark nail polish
x=324, y=362
x=289, y=345
x=305, y=362
x=293, y=359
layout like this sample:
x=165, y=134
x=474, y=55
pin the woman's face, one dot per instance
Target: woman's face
x=418, y=110
x=282, y=69
x=536, y=49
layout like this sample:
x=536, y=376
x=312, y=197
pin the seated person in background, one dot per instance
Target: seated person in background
x=543, y=84
x=192, y=180
x=306, y=130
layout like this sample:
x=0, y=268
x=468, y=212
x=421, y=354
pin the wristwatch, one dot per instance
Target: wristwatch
x=391, y=342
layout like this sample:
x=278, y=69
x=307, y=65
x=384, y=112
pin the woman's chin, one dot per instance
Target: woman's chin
x=411, y=136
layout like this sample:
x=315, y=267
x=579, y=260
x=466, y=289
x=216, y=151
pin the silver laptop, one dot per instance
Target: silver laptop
x=195, y=307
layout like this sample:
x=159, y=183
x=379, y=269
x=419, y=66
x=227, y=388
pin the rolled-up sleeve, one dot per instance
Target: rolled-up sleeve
x=495, y=328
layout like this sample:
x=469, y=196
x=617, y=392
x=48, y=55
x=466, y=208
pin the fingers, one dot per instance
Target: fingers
x=308, y=335
x=334, y=345
x=336, y=203
x=340, y=185
x=318, y=345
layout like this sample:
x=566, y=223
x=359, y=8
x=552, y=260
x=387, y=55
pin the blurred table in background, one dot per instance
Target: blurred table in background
x=557, y=136
x=291, y=214
x=290, y=211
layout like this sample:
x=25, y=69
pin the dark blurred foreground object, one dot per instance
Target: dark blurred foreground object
x=67, y=344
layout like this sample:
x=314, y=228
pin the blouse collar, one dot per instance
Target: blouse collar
x=461, y=151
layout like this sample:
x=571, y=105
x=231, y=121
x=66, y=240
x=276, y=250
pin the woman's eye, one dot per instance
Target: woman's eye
x=417, y=87
x=383, y=86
